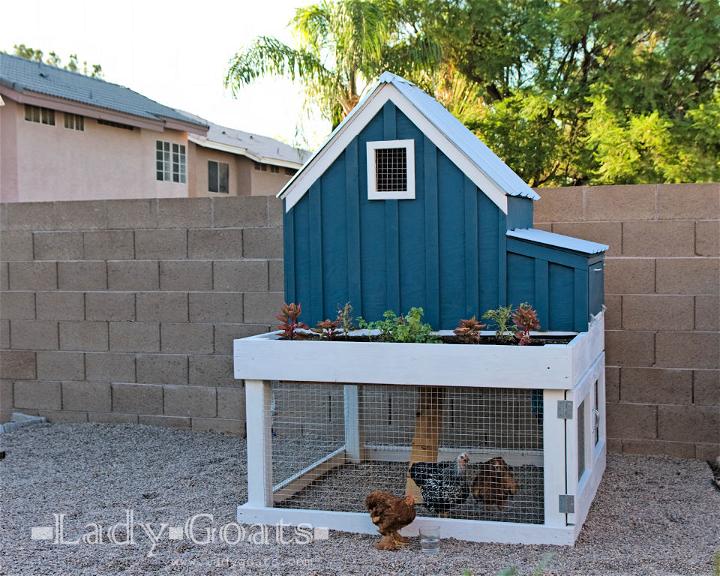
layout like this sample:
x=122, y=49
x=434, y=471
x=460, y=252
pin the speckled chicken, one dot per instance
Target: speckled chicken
x=390, y=514
x=443, y=485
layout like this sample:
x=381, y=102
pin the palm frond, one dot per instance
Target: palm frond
x=269, y=57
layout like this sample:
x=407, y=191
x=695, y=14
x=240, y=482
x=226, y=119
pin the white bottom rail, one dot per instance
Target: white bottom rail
x=359, y=523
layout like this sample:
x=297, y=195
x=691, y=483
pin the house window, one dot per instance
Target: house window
x=259, y=166
x=170, y=161
x=391, y=170
x=218, y=176
x=74, y=122
x=290, y=171
x=39, y=115
x=275, y=169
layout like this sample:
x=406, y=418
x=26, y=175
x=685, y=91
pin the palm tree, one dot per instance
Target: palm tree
x=341, y=46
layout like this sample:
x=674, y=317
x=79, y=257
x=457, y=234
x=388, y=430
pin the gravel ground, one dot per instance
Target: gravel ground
x=653, y=516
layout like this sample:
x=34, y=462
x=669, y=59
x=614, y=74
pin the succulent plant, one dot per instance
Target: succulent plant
x=289, y=314
x=469, y=330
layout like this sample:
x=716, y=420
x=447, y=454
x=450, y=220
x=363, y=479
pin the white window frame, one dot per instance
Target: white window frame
x=373, y=193
x=219, y=164
x=170, y=162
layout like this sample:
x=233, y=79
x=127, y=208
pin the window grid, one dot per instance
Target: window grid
x=170, y=162
x=391, y=169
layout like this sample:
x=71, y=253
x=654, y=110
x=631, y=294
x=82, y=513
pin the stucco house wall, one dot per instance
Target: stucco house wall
x=267, y=183
x=46, y=162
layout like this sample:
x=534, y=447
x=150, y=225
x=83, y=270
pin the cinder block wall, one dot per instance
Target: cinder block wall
x=663, y=320
x=125, y=311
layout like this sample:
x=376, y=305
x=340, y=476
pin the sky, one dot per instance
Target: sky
x=175, y=52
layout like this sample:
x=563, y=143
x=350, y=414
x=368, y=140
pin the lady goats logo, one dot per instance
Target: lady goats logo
x=199, y=529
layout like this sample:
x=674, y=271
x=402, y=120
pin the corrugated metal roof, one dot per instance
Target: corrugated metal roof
x=455, y=131
x=255, y=146
x=484, y=158
x=557, y=240
x=27, y=76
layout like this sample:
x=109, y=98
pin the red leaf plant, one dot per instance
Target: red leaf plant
x=469, y=330
x=525, y=319
x=289, y=314
x=327, y=329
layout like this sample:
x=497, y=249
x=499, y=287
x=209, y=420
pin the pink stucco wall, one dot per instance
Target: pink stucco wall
x=41, y=162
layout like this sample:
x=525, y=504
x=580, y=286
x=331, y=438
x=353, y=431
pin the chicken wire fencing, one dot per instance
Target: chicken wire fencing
x=471, y=453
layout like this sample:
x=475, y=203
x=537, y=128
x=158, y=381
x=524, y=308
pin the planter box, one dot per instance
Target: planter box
x=352, y=419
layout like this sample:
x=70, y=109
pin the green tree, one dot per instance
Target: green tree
x=340, y=46
x=592, y=90
x=571, y=92
x=73, y=64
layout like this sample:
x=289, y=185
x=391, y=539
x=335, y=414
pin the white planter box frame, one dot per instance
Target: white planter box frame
x=565, y=372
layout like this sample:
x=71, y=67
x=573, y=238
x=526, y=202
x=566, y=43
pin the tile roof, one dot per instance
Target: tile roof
x=259, y=148
x=24, y=75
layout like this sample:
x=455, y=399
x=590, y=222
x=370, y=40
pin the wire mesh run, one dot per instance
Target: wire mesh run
x=472, y=453
x=391, y=169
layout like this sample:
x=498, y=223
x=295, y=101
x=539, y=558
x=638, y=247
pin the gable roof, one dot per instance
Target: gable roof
x=26, y=76
x=473, y=157
x=537, y=236
x=256, y=147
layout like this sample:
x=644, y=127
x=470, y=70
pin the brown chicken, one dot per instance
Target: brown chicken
x=390, y=513
x=494, y=483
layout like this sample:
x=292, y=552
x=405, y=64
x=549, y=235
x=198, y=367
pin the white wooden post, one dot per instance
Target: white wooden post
x=554, y=469
x=353, y=436
x=259, y=442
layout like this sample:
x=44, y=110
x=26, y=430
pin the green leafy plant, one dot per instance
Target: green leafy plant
x=345, y=319
x=327, y=329
x=469, y=330
x=289, y=323
x=408, y=328
x=525, y=319
x=502, y=318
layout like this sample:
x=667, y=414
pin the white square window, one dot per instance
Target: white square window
x=391, y=170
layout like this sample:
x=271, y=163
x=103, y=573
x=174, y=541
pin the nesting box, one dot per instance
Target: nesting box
x=404, y=207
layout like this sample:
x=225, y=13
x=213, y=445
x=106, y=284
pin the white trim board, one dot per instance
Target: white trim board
x=298, y=186
x=409, y=192
x=360, y=523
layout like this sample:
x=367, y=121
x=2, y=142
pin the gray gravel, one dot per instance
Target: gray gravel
x=652, y=516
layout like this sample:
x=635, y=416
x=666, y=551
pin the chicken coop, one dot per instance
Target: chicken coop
x=403, y=207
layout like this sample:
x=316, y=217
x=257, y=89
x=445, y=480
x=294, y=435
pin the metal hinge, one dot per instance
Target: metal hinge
x=565, y=409
x=567, y=504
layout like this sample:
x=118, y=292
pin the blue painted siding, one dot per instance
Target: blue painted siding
x=442, y=251
x=520, y=212
x=521, y=279
x=556, y=282
x=561, y=288
x=446, y=250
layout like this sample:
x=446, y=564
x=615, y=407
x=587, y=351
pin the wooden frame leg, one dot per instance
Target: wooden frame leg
x=353, y=431
x=258, y=396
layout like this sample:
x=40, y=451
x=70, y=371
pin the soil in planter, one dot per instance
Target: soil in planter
x=344, y=489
